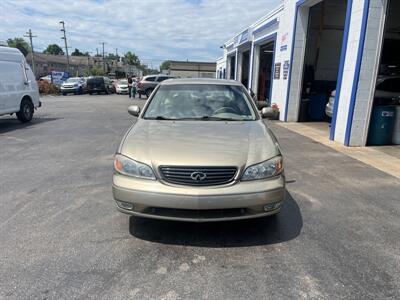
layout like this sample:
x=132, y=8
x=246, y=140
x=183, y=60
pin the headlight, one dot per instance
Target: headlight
x=268, y=168
x=129, y=167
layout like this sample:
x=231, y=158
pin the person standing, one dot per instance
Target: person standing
x=133, y=91
x=130, y=81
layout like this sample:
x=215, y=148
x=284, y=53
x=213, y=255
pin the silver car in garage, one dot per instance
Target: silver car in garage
x=199, y=152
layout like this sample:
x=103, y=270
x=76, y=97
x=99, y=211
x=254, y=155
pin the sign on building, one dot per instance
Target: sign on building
x=277, y=71
x=285, y=69
x=59, y=77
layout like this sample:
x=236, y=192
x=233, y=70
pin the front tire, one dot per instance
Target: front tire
x=25, y=113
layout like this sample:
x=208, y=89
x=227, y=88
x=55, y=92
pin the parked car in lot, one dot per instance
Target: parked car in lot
x=19, y=91
x=387, y=93
x=121, y=86
x=99, y=84
x=46, y=78
x=148, y=83
x=199, y=152
x=76, y=85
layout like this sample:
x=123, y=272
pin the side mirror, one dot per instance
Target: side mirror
x=134, y=110
x=265, y=111
x=269, y=113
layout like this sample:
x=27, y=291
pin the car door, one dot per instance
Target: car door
x=13, y=85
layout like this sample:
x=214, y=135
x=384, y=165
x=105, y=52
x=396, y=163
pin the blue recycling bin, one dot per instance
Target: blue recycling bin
x=317, y=107
x=381, y=125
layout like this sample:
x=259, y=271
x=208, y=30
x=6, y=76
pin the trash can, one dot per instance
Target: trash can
x=381, y=125
x=396, y=129
x=317, y=107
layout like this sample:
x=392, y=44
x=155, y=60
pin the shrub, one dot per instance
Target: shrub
x=47, y=88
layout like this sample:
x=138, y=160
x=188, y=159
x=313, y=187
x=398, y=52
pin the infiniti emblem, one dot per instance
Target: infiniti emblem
x=198, y=176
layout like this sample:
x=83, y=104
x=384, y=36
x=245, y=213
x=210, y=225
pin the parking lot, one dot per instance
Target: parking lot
x=61, y=236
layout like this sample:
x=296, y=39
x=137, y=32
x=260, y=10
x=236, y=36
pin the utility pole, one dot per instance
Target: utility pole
x=104, y=62
x=65, y=40
x=29, y=34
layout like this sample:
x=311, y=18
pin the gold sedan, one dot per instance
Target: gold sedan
x=199, y=152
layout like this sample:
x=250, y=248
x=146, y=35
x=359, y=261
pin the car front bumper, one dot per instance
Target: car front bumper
x=242, y=200
x=69, y=90
x=122, y=91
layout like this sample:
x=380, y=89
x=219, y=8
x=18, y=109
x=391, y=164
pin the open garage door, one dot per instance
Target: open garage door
x=384, y=127
x=265, y=69
x=245, y=68
x=232, y=66
x=322, y=59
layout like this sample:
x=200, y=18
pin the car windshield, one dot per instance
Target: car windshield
x=200, y=102
x=72, y=80
x=124, y=81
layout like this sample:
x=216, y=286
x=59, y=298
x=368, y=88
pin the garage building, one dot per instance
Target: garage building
x=307, y=53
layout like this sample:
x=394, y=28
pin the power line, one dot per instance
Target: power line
x=65, y=40
x=29, y=34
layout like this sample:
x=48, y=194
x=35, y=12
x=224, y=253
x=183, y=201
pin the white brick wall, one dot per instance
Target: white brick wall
x=368, y=73
x=349, y=70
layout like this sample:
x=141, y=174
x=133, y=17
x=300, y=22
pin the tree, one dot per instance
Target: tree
x=20, y=44
x=112, y=56
x=54, y=49
x=165, y=65
x=132, y=59
x=77, y=53
x=97, y=71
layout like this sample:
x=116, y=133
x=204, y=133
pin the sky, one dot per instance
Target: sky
x=156, y=30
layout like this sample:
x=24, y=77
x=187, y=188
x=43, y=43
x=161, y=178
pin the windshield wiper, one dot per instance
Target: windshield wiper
x=218, y=118
x=159, y=118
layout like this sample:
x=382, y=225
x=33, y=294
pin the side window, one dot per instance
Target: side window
x=150, y=79
x=162, y=78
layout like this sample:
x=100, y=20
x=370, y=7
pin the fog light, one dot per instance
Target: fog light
x=272, y=206
x=125, y=205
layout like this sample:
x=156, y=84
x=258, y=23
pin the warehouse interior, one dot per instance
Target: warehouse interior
x=322, y=58
x=232, y=66
x=245, y=68
x=384, y=127
x=265, y=72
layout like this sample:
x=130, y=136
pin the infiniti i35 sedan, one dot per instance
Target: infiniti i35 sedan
x=199, y=152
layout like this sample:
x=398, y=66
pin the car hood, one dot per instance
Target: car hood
x=199, y=143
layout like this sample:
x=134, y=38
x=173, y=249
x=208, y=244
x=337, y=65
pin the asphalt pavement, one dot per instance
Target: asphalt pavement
x=338, y=235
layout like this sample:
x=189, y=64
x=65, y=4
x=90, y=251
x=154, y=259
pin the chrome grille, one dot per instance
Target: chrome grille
x=198, y=176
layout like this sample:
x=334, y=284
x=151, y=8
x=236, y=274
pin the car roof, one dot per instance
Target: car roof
x=11, y=54
x=155, y=75
x=200, y=81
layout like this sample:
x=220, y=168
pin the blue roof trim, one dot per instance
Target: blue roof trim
x=357, y=73
x=265, y=26
x=341, y=68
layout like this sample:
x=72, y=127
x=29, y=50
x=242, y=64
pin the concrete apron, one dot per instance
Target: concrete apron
x=383, y=158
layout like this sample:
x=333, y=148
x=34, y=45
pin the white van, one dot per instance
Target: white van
x=19, y=91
